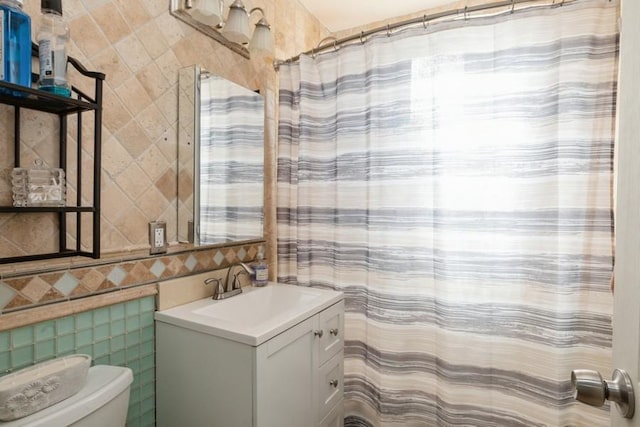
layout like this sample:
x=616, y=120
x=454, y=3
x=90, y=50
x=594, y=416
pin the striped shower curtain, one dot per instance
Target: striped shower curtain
x=455, y=182
x=231, y=178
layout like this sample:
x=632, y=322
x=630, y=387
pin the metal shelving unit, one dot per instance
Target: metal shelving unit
x=80, y=103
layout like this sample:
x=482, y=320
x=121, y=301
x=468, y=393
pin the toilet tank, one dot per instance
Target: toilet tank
x=102, y=402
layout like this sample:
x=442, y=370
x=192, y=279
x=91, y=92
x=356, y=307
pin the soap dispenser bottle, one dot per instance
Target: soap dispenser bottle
x=15, y=44
x=53, y=39
x=261, y=270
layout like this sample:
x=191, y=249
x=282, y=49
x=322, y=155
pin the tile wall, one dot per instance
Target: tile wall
x=120, y=335
x=140, y=47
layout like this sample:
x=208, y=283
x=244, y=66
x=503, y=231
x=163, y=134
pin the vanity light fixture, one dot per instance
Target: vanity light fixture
x=235, y=33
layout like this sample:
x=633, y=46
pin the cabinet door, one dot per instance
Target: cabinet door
x=335, y=417
x=332, y=327
x=285, y=374
x=330, y=386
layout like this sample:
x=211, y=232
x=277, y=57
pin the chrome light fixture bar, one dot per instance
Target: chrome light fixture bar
x=207, y=17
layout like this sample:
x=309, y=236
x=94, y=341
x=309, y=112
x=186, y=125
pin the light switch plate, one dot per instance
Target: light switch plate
x=158, y=237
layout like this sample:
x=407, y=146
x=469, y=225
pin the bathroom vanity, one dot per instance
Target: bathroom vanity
x=270, y=357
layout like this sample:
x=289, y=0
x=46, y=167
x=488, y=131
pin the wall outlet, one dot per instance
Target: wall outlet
x=158, y=237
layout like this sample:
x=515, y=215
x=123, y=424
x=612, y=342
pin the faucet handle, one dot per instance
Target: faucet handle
x=237, y=283
x=219, y=288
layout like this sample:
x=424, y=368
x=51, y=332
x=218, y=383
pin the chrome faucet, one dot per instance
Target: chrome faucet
x=231, y=285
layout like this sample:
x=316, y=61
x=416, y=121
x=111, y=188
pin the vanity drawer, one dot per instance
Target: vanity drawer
x=330, y=385
x=332, y=326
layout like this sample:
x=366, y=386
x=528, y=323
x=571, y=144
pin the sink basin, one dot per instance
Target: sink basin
x=254, y=316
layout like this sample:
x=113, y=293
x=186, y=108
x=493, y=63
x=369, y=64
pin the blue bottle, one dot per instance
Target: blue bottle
x=15, y=42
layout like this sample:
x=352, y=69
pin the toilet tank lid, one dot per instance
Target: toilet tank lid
x=103, y=384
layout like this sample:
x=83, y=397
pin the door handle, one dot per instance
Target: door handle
x=591, y=389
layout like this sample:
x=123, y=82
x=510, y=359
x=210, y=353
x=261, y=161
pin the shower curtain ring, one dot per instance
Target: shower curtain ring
x=313, y=53
x=388, y=31
x=424, y=21
x=513, y=5
x=335, y=46
x=362, y=40
x=465, y=13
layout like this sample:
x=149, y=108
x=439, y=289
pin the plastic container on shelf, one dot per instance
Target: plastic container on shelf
x=39, y=186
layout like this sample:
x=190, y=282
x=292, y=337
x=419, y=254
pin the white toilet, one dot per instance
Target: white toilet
x=102, y=402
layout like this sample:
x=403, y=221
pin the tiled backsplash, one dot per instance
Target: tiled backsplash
x=121, y=335
x=18, y=292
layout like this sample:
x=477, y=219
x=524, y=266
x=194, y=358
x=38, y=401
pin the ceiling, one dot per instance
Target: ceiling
x=338, y=15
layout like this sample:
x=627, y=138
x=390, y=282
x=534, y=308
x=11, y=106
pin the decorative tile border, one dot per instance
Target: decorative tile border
x=19, y=292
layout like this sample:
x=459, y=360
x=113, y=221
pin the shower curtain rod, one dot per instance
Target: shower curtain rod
x=464, y=12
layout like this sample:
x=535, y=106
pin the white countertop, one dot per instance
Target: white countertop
x=253, y=317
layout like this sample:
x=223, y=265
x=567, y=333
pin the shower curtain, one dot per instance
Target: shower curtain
x=455, y=182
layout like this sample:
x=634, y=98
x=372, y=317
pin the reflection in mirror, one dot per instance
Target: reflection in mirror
x=220, y=160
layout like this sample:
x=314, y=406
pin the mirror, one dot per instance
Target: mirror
x=220, y=160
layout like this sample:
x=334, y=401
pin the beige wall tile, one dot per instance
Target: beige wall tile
x=133, y=95
x=153, y=122
x=112, y=237
x=153, y=80
x=156, y=7
x=167, y=105
x=133, y=138
x=154, y=163
x=112, y=197
x=134, y=226
x=133, y=182
x=172, y=29
x=111, y=22
x=134, y=12
x=115, y=158
x=71, y=9
x=93, y=4
x=172, y=293
x=152, y=202
x=133, y=52
x=166, y=184
x=110, y=63
x=115, y=115
x=153, y=40
x=36, y=289
x=87, y=36
x=169, y=65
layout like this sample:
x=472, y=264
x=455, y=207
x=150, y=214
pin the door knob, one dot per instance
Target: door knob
x=591, y=389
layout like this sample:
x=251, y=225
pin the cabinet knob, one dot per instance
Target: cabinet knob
x=333, y=383
x=319, y=333
x=334, y=331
